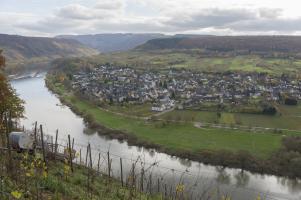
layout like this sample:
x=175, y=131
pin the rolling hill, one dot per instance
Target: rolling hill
x=23, y=48
x=32, y=52
x=113, y=42
x=249, y=44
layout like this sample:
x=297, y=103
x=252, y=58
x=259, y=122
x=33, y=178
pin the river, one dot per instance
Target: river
x=44, y=107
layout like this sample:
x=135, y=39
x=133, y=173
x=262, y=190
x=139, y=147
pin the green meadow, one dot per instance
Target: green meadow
x=289, y=117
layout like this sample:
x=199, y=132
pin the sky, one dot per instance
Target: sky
x=216, y=17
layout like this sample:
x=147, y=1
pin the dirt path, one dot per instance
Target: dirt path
x=136, y=117
x=162, y=113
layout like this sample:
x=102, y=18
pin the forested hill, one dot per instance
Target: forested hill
x=285, y=44
x=27, y=53
x=22, y=48
x=113, y=42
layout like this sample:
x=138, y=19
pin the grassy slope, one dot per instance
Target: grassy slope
x=182, y=136
x=60, y=184
x=75, y=187
x=193, y=60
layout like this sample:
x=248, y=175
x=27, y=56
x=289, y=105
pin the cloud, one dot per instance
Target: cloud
x=270, y=13
x=11, y=22
x=76, y=18
x=177, y=16
x=206, y=18
x=279, y=25
x=110, y=4
x=75, y=11
x=52, y=25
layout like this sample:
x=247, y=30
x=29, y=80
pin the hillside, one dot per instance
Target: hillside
x=193, y=59
x=246, y=44
x=22, y=48
x=113, y=42
x=27, y=52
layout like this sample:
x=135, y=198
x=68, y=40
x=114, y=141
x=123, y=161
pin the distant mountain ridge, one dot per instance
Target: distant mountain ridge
x=20, y=48
x=112, y=42
x=285, y=44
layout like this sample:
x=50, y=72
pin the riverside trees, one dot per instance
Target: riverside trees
x=10, y=104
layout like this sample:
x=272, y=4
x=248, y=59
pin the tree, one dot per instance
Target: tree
x=268, y=109
x=10, y=103
x=244, y=159
x=173, y=95
x=165, y=84
x=2, y=60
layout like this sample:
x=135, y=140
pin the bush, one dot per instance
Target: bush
x=244, y=159
x=295, y=167
x=290, y=101
x=224, y=157
x=292, y=143
x=268, y=109
x=89, y=118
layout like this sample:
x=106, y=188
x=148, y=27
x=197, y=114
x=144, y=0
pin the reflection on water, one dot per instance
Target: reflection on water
x=294, y=185
x=88, y=131
x=242, y=179
x=223, y=176
x=151, y=153
x=44, y=107
x=185, y=162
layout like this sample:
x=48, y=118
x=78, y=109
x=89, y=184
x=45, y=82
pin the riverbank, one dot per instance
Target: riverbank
x=232, y=148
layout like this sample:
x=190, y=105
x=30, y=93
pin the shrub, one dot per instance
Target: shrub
x=290, y=101
x=292, y=143
x=268, y=109
x=244, y=159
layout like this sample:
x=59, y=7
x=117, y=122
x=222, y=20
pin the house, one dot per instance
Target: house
x=158, y=108
x=118, y=84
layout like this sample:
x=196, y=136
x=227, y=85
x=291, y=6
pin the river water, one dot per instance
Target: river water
x=44, y=107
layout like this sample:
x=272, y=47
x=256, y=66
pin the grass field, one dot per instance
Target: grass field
x=194, y=60
x=289, y=118
x=182, y=136
x=143, y=110
x=185, y=136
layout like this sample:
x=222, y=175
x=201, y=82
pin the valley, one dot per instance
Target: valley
x=150, y=100
x=231, y=111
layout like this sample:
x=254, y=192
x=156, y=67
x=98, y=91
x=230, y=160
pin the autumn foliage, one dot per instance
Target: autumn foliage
x=10, y=103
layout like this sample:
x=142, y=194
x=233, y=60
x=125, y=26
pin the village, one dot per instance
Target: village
x=182, y=88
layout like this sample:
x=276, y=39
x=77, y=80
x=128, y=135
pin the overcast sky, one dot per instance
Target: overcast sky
x=219, y=17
